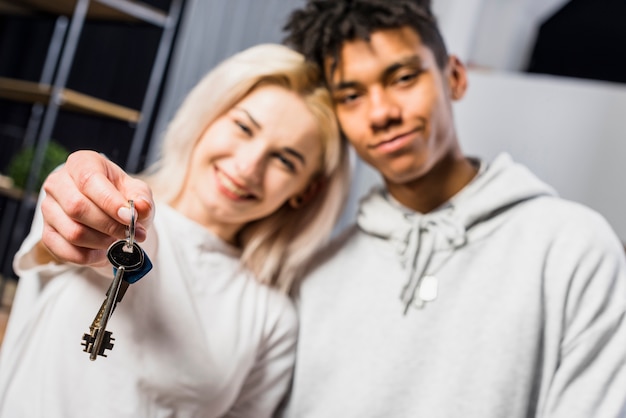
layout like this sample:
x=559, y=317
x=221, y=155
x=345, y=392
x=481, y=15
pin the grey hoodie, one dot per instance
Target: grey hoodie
x=505, y=302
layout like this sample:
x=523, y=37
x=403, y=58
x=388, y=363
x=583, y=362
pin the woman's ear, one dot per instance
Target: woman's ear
x=312, y=190
x=457, y=77
x=296, y=202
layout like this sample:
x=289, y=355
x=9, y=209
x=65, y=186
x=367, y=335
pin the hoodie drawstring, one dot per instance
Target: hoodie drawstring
x=424, y=236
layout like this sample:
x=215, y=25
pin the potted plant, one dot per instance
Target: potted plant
x=20, y=165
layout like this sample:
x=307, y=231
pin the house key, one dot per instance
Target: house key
x=129, y=265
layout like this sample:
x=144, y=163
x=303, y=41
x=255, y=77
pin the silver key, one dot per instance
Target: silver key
x=99, y=339
x=124, y=255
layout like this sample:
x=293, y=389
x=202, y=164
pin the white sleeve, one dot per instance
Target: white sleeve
x=34, y=277
x=269, y=379
x=24, y=259
x=588, y=379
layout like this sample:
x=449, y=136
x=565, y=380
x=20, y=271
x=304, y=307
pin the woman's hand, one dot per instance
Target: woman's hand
x=86, y=208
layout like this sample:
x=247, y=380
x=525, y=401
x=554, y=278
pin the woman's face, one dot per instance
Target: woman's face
x=250, y=161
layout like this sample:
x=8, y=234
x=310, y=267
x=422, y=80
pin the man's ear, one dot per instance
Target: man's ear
x=457, y=77
x=313, y=189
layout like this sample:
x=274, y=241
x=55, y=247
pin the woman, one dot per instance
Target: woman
x=247, y=189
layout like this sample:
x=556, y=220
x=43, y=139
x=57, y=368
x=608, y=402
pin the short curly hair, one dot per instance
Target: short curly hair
x=320, y=28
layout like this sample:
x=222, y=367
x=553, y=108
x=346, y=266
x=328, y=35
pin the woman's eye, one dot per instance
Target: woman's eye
x=244, y=127
x=286, y=162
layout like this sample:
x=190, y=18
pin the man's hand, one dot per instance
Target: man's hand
x=86, y=208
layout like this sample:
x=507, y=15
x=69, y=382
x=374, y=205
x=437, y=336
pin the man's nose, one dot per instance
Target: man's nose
x=384, y=109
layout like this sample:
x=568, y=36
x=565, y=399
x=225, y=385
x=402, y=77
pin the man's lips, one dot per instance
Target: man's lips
x=391, y=140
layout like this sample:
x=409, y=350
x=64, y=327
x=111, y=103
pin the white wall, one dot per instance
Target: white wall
x=497, y=34
x=572, y=133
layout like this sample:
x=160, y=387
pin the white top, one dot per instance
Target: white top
x=196, y=337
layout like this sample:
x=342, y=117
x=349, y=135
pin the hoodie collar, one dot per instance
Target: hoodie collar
x=416, y=237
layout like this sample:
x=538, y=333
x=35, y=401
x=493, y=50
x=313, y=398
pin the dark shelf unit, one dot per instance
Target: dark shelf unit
x=50, y=98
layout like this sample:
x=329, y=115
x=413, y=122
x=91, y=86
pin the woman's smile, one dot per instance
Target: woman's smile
x=230, y=188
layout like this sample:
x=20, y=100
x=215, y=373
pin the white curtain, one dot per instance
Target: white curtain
x=210, y=31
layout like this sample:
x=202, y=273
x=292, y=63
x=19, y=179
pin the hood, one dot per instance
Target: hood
x=498, y=187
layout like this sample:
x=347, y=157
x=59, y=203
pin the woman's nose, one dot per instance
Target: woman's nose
x=250, y=163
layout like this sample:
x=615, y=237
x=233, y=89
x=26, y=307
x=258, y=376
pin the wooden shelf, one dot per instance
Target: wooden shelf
x=7, y=189
x=97, y=10
x=32, y=92
x=9, y=7
x=11, y=192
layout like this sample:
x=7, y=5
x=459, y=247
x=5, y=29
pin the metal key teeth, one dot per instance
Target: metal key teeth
x=89, y=340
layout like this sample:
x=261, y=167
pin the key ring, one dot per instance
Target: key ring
x=131, y=228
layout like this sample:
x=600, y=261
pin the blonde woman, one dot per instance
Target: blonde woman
x=248, y=188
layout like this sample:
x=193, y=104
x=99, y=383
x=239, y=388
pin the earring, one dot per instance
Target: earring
x=295, y=202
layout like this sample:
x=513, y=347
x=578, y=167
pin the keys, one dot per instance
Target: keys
x=129, y=265
x=124, y=255
x=98, y=340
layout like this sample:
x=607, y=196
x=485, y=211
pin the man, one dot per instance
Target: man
x=466, y=288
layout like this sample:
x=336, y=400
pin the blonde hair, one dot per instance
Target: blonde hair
x=277, y=248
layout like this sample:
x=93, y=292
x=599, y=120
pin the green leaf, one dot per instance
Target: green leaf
x=19, y=167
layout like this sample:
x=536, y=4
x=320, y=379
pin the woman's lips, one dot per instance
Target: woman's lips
x=231, y=186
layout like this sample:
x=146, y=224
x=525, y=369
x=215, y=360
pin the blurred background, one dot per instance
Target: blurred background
x=546, y=85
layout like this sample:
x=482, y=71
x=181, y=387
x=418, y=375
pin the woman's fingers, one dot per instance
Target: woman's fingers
x=86, y=208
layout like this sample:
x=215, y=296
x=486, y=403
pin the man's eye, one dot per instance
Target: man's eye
x=406, y=78
x=346, y=98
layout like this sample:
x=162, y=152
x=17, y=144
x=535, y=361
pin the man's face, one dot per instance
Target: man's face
x=394, y=103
